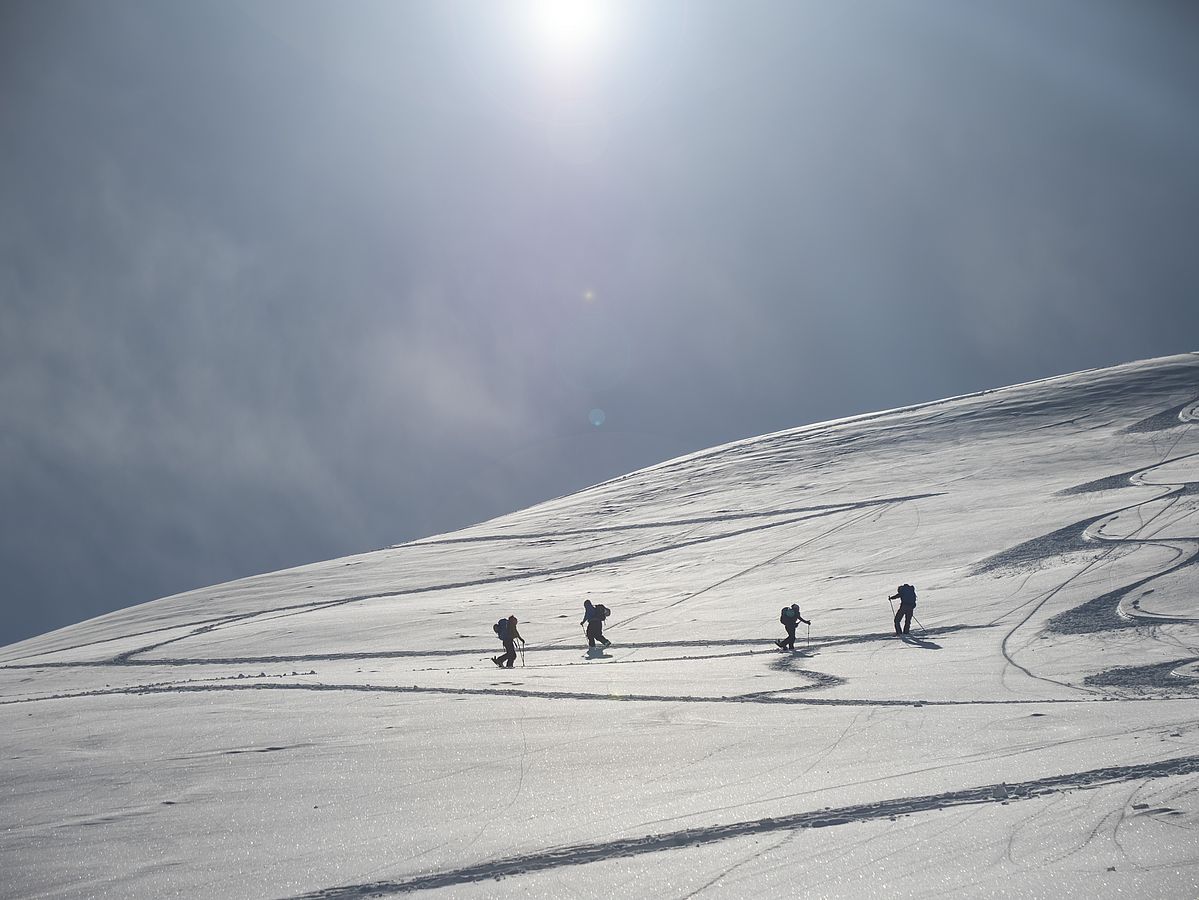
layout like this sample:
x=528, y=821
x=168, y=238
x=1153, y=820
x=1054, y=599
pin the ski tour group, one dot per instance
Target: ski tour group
x=595, y=614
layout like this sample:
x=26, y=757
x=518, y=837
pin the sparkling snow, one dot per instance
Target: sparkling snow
x=338, y=730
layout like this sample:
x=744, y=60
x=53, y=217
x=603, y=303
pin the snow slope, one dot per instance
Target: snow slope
x=338, y=730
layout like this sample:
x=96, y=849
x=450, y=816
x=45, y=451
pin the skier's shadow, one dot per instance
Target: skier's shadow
x=921, y=642
x=597, y=653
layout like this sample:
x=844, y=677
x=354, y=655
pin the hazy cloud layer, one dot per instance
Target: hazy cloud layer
x=282, y=281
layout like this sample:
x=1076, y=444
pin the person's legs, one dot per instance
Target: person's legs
x=898, y=616
x=907, y=618
x=789, y=642
x=509, y=658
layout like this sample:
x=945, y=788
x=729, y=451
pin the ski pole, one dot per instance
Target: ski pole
x=917, y=621
x=522, y=654
x=809, y=634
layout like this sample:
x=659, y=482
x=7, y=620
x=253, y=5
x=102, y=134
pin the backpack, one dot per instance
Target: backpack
x=907, y=594
x=500, y=628
x=602, y=611
x=786, y=614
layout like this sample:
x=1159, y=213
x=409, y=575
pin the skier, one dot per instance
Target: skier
x=790, y=618
x=906, y=594
x=506, y=629
x=593, y=618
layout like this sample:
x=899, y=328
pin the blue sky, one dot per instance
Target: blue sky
x=285, y=281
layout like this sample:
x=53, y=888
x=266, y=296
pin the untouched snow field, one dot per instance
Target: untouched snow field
x=339, y=730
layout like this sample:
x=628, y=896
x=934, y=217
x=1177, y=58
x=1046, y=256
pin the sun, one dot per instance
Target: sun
x=569, y=29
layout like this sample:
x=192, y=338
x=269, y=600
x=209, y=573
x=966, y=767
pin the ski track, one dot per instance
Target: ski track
x=1064, y=540
x=762, y=644
x=581, y=854
x=822, y=509
x=255, y=684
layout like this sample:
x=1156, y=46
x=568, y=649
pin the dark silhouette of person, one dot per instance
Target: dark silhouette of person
x=790, y=618
x=593, y=618
x=506, y=629
x=906, y=594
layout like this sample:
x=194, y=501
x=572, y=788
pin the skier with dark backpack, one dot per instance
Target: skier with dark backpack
x=790, y=618
x=505, y=630
x=593, y=619
x=906, y=594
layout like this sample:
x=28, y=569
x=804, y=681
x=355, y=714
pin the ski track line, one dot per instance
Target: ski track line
x=824, y=508
x=764, y=644
x=301, y=608
x=626, y=848
x=752, y=856
x=209, y=625
x=864, y=508
x=254, y=684
x=109, y=640
x=758, y=565
x=1174, y=491
x=955, y=763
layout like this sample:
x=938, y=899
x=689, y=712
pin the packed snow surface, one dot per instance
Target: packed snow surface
x=339, y=730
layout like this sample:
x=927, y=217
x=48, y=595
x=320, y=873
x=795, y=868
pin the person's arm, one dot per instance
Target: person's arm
x=893, y=597
x=516, y=635
x=805, y=621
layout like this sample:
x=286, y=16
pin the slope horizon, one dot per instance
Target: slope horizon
x=857, y=417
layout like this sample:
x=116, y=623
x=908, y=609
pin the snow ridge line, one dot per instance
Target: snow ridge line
x=581, y=854
x=1132, y=373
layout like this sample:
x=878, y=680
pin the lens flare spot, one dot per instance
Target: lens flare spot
x=596, y=417
x=570, y=29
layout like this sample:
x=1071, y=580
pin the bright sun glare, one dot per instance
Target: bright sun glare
x=570, y=29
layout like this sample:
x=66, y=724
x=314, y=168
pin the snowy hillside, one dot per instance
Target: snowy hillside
x=339, y=730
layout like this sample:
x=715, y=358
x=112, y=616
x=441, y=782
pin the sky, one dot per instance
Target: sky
x=284, y=281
